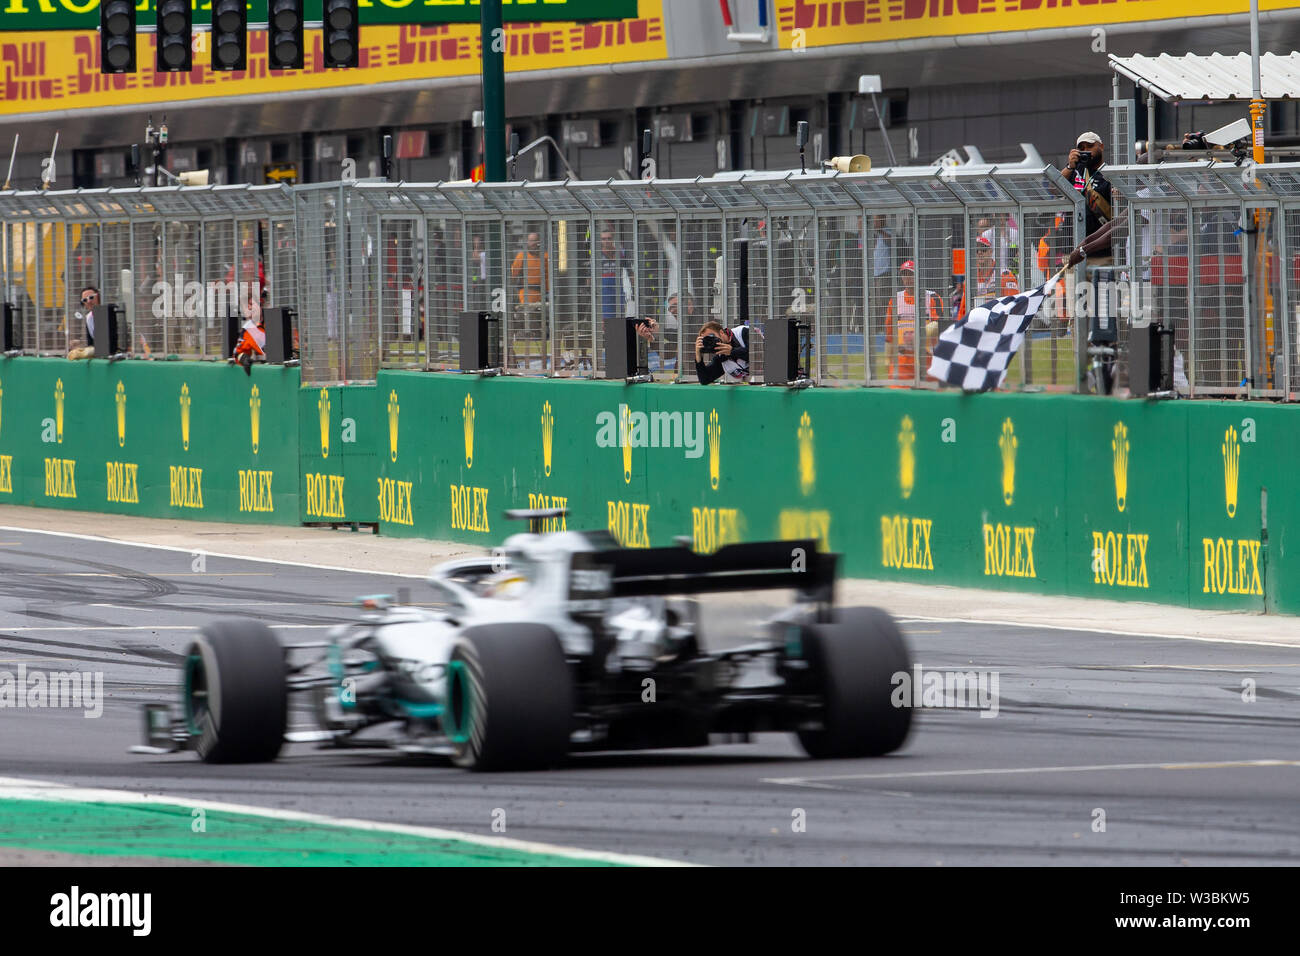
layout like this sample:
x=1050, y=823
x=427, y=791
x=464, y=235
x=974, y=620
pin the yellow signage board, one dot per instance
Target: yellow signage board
x=51, y=70
x=809, y=23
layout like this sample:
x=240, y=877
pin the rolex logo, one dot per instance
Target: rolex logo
x=185, y=416
x=121, y=415
x=1231, y=465
x=393, y=410
x=807, y=463
x=548, y=436
x=58, y=411
x=625, y=440
x=255, y=415
x=323, y=406
x=906, y=457
x=1008, y=443
x=1119, y=447
x=467, y=413
x=715, y=449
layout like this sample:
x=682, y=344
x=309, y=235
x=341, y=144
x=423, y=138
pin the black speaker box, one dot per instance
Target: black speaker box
x=234, y=327
x=1150, y=360
x=623, y=358
x=11, y=334
x=480, y=341
x=109, y=323
x=279, y=334
x=780, y=351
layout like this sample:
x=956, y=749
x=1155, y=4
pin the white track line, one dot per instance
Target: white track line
x=903, y=618
x=210, y=554
x=14, y=788
x=821, y=782
x=993, y=622
x=145, y=627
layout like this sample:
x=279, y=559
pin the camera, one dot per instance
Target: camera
x=709, y=346
x=1085, y=159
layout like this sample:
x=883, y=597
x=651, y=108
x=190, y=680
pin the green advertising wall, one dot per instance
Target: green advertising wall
x=339, y=463
x=1190, y=503
x=163, y=439
x=1041, y=493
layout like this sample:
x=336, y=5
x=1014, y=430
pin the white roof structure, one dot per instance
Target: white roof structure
x=1213, y=77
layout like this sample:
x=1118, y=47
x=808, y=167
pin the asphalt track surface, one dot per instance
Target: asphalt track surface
x=1154, y=732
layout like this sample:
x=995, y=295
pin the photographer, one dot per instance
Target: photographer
x=1084, y=169
x=727, y=351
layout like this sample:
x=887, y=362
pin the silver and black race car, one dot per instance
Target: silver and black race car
x=556, y=643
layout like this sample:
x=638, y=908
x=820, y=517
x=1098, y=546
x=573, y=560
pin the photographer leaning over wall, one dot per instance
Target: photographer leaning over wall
x=727, y=351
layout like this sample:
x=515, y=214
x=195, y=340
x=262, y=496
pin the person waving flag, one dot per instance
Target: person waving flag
x=976, y=351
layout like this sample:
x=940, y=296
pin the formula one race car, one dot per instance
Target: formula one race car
x=556, y=643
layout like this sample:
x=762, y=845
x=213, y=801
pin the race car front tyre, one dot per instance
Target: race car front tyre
x=235, y=697
x=852, y=663
x=510, y=698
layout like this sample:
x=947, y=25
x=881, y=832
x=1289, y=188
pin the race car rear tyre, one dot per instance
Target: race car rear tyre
x=235, y=697
x=853, y=661
x=510, y=698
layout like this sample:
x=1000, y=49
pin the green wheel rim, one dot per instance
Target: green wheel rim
x=456, y=718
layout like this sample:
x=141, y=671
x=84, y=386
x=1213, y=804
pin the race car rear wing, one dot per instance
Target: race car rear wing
x=764, y=565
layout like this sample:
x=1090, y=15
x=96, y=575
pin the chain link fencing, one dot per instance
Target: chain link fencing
x=872, y=266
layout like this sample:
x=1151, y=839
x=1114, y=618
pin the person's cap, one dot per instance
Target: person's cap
x=908, y=266
x=985, y=240
x=1089, y=138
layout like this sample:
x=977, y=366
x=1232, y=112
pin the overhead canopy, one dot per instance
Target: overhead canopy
x=1213, y=77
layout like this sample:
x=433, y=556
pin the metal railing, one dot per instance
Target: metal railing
x=380, y=273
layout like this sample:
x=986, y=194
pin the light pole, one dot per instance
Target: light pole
x=494, y=91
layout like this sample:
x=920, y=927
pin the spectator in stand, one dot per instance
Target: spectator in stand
x=901, y=321
x=531, y=264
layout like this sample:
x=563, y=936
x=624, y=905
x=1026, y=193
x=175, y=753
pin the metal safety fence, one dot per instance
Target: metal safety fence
x=873, y=265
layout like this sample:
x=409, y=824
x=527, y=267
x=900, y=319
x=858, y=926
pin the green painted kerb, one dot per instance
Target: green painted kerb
x=172, y=832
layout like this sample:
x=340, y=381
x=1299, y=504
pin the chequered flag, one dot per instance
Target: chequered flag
x=974, y=352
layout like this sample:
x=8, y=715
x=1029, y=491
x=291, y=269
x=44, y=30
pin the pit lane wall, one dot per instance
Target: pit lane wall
x=158, y=439
x=1189, y=503
x=1048, y=494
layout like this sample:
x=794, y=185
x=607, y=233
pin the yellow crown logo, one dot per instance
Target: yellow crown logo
x=625, y=439
x=58, y=411
x=807, y=463
x=121, y=415
x=548, y=436
x=323, y=406
x=1231, y=466
x=393, y=410
x=468, y=414
x=715, y=449
x=185, y=416
x=255, y=415
x=906, y=457
x=1008, y=443
x=1119, y=447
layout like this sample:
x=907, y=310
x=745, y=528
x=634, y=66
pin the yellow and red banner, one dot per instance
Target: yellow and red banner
x=809, y=23
x=47, y=70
